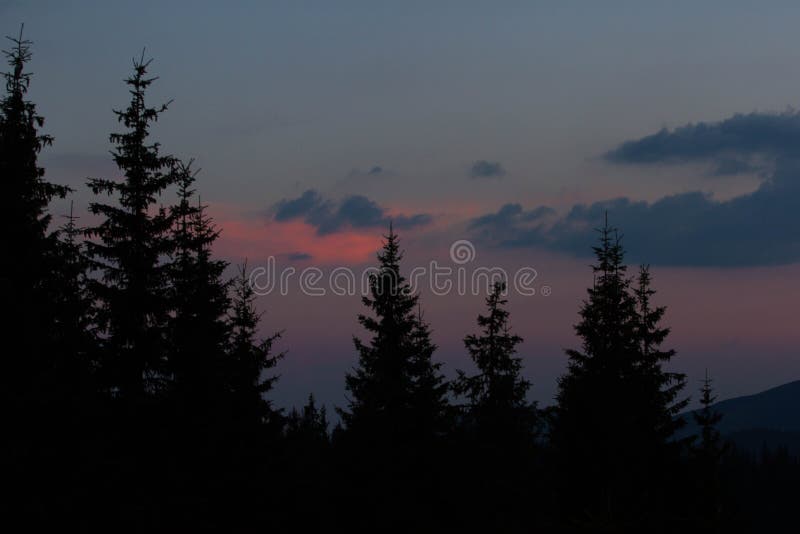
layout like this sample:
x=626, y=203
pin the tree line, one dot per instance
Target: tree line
x=136, y=387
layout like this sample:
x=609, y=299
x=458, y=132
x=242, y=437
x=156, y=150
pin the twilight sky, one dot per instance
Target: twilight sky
x=514, y=125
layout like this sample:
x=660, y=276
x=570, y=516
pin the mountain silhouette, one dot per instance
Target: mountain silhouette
x=769, y=419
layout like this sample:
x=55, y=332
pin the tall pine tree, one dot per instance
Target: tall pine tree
x=44, y=376
x=73, y=327
x=397, y=407
x=199, y=330
x=498, y=425
x=31, y=256
x=665, y=386
x=429, y=402
x=613, y=423
x=497, y=407
x=252, y=358
x=131, y=244
x=395, y=378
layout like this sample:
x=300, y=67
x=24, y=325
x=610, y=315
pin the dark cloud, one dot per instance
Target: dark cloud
x=355, y=211
x=298, y=256
x=486, y=169
x=303, y=206
x=376, y=171
x=511, y=224
x=742, y=143
x=691, y=228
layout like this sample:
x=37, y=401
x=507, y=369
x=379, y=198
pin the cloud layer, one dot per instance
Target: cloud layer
x=328, y=216
x=692, y=228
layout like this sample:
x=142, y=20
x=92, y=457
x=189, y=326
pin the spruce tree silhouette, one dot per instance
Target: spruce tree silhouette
x=198, y=367
x=309, y=470
x=711, y=446
x=199, y=330
x=308, y=427
x=69, y=404
x=73, y=328
x=389, y=439
x=707, y=458
x=497, y=408
x=665, y=386
x=429, y=402
x=251, y=357
x=31, y=249
x=251, y=467
x=613, y=421
x=37, y=406
x=133, y=238
x=395, y=374
x=128, y=251
x=499, y=424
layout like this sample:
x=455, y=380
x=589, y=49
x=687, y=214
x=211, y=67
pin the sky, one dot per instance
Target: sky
x=512, y=125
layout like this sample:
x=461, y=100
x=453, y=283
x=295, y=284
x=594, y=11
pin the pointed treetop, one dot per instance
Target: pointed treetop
x=19, y=55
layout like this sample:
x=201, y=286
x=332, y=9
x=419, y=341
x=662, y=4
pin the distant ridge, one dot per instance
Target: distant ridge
x=768, y=419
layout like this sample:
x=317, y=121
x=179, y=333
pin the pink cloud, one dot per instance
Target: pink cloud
x=248, y=238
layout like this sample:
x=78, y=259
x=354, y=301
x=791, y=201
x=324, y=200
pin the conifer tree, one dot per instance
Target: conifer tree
x=250, y=358
x=429, y=403
x=707, y=456
x=396, y=405
x=498, y=425
x=72, y=329
x=308, y=465
x=28, y=194
x=612, y=423
x=395, y=377
x=198, y=328
x=31, y=258
x=309, y=426
x=711, y=446
x=666, y=386
x=132, y=241
x=44, y=373
x=496, y=395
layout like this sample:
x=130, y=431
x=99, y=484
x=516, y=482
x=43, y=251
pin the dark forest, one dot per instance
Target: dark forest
x=136, y=383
